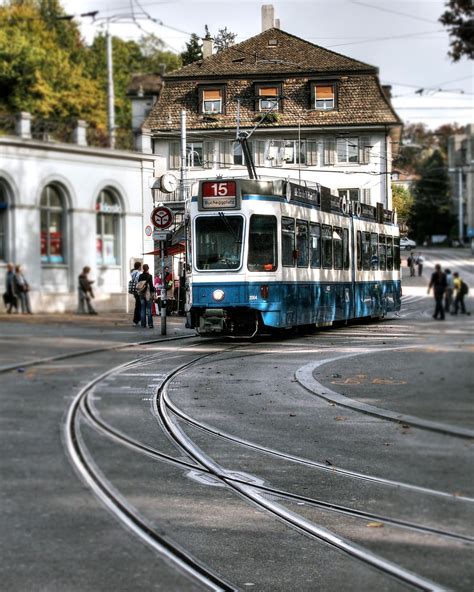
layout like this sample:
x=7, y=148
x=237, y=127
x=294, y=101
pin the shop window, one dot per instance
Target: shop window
x=4, y=205
x=324, y=96
x=108, y=229
x=53, y=224
x=288, y=241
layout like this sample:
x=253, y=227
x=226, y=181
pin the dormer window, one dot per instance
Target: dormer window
x=323, y=96
x=268, y=97
x=211, y=100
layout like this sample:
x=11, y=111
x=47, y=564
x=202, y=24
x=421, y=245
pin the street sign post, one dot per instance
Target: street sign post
x=161, y=235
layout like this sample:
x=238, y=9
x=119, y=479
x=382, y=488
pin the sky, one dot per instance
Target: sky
x=404, y=40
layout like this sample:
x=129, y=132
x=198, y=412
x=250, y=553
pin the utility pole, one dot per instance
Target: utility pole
x=461, y=208
x=110, y=89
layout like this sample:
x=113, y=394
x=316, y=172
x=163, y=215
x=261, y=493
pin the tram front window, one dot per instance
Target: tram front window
x=262, y=243
x=218, y=242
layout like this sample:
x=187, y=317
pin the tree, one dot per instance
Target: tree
x=431, y=213
x=155, y=57
x=459, y=20
x=193, y=51
x=402, y=201
x=224, y=39
x=38, y=75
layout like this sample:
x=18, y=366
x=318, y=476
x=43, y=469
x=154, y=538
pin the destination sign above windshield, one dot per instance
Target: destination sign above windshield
x=219, y=195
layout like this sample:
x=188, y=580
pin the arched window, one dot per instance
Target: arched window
x=4, y=204
x=53, y=224
x=108, y=228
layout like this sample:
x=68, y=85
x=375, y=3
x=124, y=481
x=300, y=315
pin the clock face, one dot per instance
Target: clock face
x=168, y=183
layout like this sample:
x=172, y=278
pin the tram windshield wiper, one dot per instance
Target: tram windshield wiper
x=229, y=228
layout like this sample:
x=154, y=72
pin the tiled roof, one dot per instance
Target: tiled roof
x=295, y=63
x=256, y=56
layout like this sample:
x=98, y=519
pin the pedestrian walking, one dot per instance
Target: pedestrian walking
x=419, y=263
x=22, y=289
x=134, y=275
x=145, y=289
x=411, y=264
x=438, y=283
x=157, y=284
x=448, y=295
x=462, y=290
x=85, y=293
x=10, y=296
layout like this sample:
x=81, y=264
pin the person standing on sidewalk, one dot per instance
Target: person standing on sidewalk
x=146, y=290
x=22, y=288
x=419, y=262
x=438, y=283
x=85, y=293
x=10, y=295
x=134, y=275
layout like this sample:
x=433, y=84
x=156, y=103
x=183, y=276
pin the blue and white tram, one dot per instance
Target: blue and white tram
x=269, y=255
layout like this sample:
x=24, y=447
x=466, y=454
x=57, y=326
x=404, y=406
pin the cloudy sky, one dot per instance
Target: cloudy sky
x=404, y=40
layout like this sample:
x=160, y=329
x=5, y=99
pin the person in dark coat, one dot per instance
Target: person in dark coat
x=134, y=275
x=22, y=289
x=146, y=297
x=439, y=284
x=10, y=296
x=85, y=293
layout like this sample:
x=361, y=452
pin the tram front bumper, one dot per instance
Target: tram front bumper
x=212, y=321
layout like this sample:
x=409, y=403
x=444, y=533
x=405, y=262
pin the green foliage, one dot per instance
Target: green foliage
x=402, y=201
x=431, y=213
x=224, y=39
x=38, y=75
x=459, y=19
x=154, y=56
x=193, y=51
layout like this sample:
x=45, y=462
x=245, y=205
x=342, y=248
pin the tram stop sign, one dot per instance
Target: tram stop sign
x=161, y=217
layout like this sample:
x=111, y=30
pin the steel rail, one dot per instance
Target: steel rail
x=161, y=402
x=118, y=506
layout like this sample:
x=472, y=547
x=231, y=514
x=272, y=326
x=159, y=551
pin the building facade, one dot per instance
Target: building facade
x=311, y=115
x=66, y=206
x=461, y=169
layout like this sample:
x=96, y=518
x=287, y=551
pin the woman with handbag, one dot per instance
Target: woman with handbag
x=22, y=289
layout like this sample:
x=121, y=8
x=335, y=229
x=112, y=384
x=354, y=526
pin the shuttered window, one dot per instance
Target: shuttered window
x=268, y=98
x=211, y=100
x=329, y=151
x=324, y=97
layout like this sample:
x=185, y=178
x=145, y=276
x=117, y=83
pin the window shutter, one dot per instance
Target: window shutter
x=329, y=151
x=174, y=155
x=208, y=155
x=364, y=150
x=211, y=95
x=225, y=153
x=311, y=152
x=366, y=196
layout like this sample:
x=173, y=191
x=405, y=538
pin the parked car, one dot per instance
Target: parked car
x=406, y=243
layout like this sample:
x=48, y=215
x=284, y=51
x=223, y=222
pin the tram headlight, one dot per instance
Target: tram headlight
x=218, y=295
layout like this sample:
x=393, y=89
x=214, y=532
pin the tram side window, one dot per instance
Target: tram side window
x=366, y=251
x=374, y=251
x=327, y=246
x=396, y=253
x=315, y=245
x=337, y=245
x=262, y=243
x=302, y=243
x=287, y=242
x=389, y=253
x=345, y=247
x=382, y=253
x=359, y=250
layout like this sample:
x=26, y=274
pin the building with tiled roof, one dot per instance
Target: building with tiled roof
x=312, y=114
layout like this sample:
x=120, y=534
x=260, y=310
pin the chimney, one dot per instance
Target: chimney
x=277, y=23
x=207, y=45
x=267, y=17
x=387, y=91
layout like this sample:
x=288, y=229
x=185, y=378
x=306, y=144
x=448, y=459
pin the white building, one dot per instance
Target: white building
x=66, y=206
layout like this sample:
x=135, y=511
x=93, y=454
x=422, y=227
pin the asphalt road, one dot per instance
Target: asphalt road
x=366, y=432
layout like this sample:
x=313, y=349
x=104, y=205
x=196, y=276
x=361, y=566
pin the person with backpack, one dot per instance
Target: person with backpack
x=145, y=291
x=439, y=284
x=132, y=289
x=462, y=290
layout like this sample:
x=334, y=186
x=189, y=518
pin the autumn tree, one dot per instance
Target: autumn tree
x=459, y=20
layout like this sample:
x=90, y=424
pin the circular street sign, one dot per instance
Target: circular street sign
x=161, y=217
x=148, y=230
